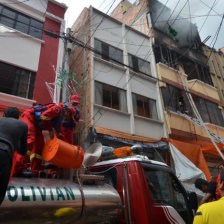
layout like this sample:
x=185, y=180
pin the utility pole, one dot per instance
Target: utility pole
x=68, y=47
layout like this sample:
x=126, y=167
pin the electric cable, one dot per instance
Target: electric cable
x=213, y=5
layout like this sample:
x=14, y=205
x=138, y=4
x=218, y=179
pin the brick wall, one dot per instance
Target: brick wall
x=78, y=58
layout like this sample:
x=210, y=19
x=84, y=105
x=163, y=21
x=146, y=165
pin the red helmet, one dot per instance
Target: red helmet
x=75, y=99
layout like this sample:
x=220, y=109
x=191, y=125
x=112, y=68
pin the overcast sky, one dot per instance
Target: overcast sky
x=198, y=9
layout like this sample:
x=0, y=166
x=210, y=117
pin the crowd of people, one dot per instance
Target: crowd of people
x=25, y=136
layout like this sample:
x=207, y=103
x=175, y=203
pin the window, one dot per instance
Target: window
x=110, y=96
x=20, y=22
x=175, y=99
x=166, y=190
x=173, y=59
x=209, y=111
x=144, y=106
x=16, y=81
x=139, y=65
x=108, y=53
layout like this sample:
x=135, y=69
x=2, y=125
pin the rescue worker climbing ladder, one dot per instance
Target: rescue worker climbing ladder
x=54, y=118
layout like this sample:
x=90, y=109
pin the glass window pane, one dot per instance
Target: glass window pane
x=36, y=24
x=16, y=81
x=144, y=66
x=98, y=47
x=116, y=55
x=105, y=51
x=23, y=83
x=9, y=13
x=98, y=93
x=7, y=21
x=122, y=100
x=134, y=102
x=130, y=63
x=153, y=109
x=22, y=27
x=1, y=7
x=31, y=85
x=35, y=32
x=23, y=19
x=165, y=190
x=106, y=97
x=115, y=99
x=140, y=107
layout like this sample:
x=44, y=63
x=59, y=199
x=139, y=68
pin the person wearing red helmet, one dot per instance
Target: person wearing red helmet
x=57, y=119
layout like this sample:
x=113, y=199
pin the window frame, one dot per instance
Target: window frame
x=152, y=111
x=134, y=64
x=22, y=81
x=112, y=89
x=16, y=23
x=103, y=52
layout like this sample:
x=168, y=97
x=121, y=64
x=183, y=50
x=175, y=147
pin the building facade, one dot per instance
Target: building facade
x=182, y=68
x=30, y=54
x=117, y=81
x=216, y=65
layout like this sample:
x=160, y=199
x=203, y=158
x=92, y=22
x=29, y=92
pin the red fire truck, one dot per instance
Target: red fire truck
x=132, y=190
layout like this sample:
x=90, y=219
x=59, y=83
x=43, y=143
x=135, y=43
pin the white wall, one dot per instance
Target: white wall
x=109, y=75
x=19, y=49
x=112, y=119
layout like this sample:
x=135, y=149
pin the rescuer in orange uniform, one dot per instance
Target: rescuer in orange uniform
x=53, y=118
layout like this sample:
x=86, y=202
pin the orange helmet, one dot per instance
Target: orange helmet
x=75, y=99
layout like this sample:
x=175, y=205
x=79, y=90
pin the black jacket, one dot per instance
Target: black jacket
x=14, y=132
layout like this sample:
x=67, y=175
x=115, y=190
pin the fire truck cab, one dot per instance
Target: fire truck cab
x=149, y=190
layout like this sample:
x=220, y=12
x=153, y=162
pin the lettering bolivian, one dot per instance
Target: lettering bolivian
x=38, y=193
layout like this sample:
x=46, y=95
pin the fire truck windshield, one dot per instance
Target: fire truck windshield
x=165, y=189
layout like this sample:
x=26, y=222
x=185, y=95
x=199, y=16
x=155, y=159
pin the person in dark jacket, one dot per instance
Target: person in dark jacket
x=13, y=136
x=209, y=188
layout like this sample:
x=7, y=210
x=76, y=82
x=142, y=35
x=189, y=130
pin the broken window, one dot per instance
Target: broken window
x=175, y=99
x=144, y=106
x=16, y=81
x=173, y=59
x=110, y=96
x=108, y=53
x=139, y=65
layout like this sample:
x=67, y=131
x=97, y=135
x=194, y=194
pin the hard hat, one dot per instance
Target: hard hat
x=75, y=98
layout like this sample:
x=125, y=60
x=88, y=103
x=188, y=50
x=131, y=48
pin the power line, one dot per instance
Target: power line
x=161, y=12
x=179, y=12
x=213, y=5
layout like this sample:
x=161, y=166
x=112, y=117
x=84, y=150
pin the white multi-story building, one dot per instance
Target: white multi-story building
x=120, y=92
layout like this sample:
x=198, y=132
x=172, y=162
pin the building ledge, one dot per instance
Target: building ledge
x=144, y=76
x=149, y=119
x=110, y=63
x=111, y=109
x=15, y=101
x=124, y=135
